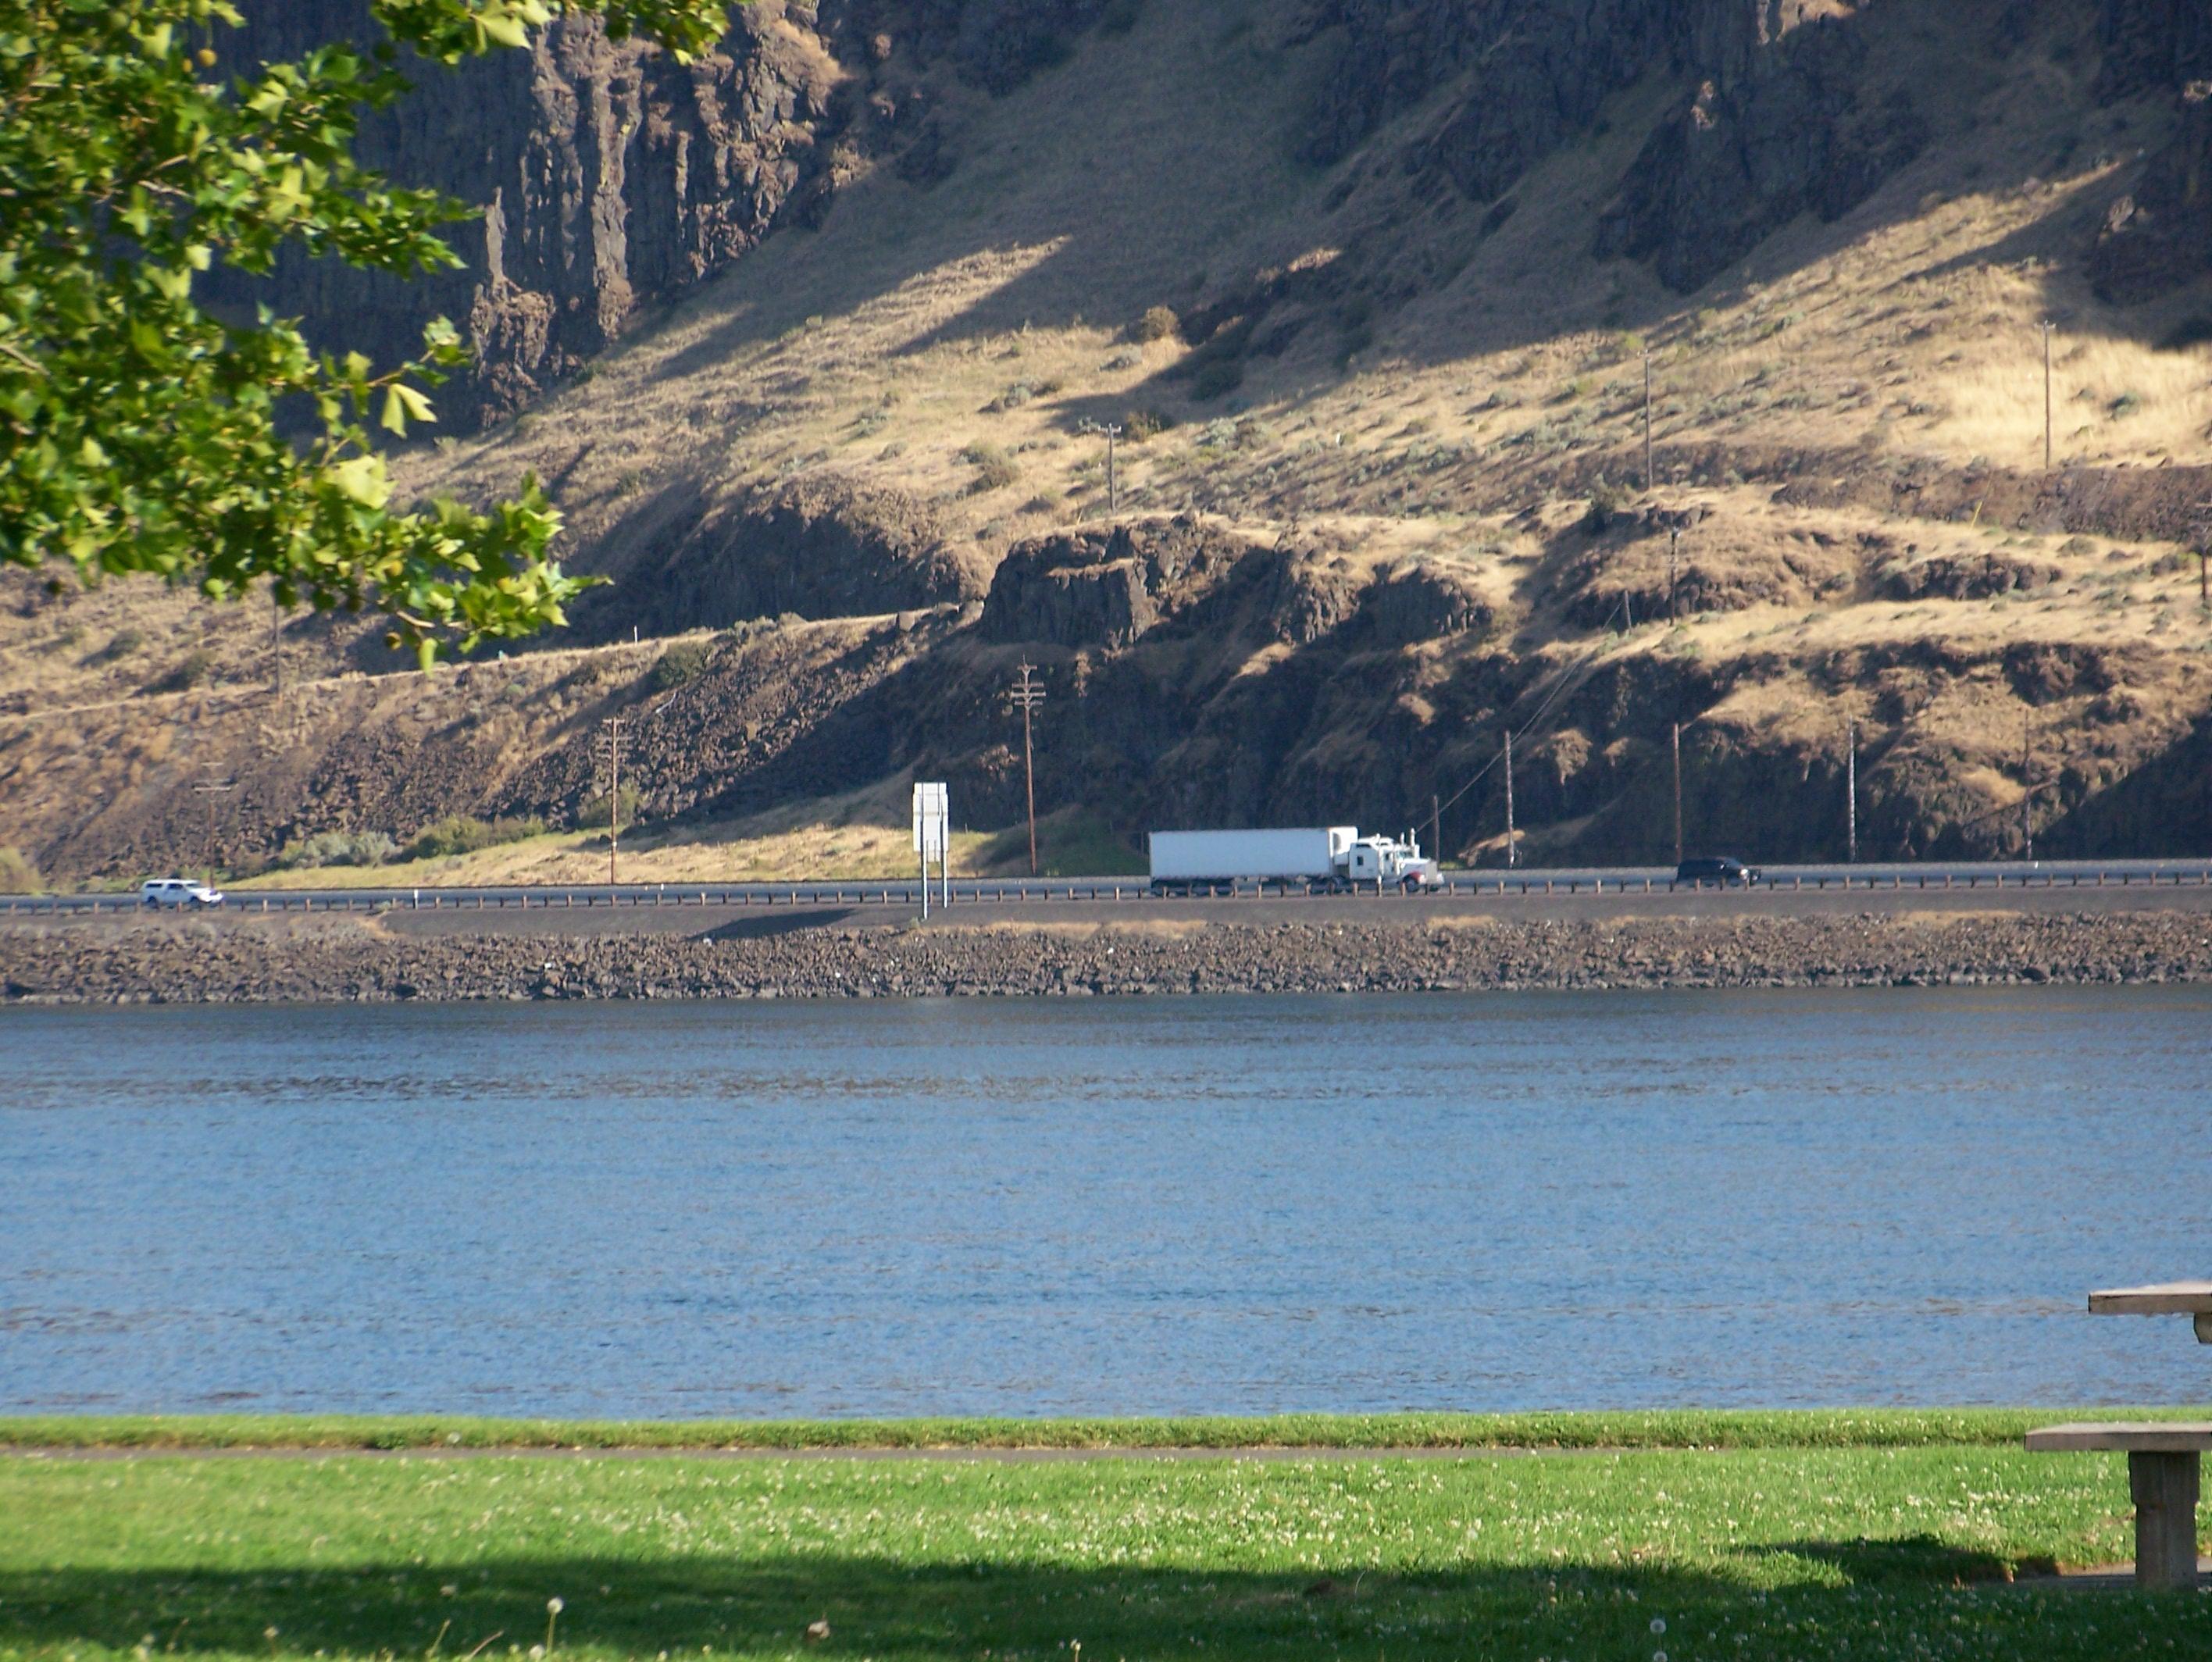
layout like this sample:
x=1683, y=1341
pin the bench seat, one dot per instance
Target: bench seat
x=2164, y=1473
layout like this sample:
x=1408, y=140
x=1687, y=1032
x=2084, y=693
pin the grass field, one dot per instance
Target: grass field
x=1820, y=1541
x=1663, y=1428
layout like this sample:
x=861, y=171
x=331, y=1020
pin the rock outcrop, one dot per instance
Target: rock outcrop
x=819, y=547
x=1785, y=123
x=605, y=177
x=1105, y=588
x=1779, y=118
x=2157, y=235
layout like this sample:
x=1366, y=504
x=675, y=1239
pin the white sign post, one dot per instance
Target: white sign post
x=933, y=835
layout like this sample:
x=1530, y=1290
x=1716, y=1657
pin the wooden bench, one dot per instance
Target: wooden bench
x=2164, y=1469
x=2166, y=1463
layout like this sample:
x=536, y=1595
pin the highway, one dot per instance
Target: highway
x=1594, y=883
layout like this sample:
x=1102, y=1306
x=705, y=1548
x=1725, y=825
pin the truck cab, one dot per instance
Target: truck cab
x=1384, y=862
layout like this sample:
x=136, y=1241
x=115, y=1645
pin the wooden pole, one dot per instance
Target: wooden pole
x=1436, y=827
x=1851, y=794
x=1674, y=545
x=2047, y=395
x=1647, y=418
x=1029, y=694
x=614, y=796
x=1510, y=857
x=2028, y=784
x=1029, y=780
x=1678, y=793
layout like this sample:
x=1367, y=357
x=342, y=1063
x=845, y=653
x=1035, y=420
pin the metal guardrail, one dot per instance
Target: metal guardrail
x=887, y=894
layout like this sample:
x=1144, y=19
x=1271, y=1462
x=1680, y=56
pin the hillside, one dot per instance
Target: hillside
x=807, y=343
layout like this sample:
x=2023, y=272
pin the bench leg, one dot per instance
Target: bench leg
x=2165, y=1490
x=2204, y=1327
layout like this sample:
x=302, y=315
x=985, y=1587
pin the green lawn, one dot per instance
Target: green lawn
x=1873, y=1428
x=1775, y=1551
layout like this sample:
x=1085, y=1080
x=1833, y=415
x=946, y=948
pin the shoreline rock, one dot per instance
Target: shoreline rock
x=353, y=961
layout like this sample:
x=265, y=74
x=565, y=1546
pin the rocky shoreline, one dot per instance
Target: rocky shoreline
x=362, y=961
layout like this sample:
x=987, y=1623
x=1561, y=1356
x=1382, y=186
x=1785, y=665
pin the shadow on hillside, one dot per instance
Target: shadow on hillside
x=2161, y=809
x=885, y=234
x=763, y=1603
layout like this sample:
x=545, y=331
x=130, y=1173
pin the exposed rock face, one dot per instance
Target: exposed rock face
x=1542, y=69
x=609, y=177
x=1103, y=588
x=1777, y=123
x=1424, y=601
x=2153, y=44
x=1955, y=578
x=1785, y=127
x=819, y=547
x=2158, y=235
x=997, y=44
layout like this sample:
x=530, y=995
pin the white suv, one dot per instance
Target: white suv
x=177, y=891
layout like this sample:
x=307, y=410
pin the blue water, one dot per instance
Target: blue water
x=1170, y=1205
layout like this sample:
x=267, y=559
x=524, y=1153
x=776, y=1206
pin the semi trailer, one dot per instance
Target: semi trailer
x=1322, y=858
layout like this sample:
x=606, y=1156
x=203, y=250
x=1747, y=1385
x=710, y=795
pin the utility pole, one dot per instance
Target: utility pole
x=1647, y=419
x=207, y=789
x=1678, y=793
x=1510, y=857
x=1113, y=432
x=1026, y=695
x=1436, y=828
x=2028, y=784
x=276, y=643
x=2201, y=534
x=2047, y=395
x=613, y=737
x=1851, y=793
x=1673, y=548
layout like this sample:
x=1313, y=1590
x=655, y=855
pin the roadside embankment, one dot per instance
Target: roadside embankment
x=837, y=954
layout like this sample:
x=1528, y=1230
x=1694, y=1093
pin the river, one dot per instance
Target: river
x=1167, y=1205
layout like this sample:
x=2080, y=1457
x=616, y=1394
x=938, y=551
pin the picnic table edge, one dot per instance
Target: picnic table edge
x=2131, y=1437
x=2170, y=1298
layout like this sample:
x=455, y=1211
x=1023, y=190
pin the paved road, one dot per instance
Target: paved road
x=1589, y=882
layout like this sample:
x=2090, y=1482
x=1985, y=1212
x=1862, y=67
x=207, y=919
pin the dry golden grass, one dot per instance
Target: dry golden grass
x=1159, y=171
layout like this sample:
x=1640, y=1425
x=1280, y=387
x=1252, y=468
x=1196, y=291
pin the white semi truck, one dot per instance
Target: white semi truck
x=1320, y=857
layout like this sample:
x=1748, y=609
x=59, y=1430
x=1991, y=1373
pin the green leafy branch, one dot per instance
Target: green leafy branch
x=138, y=433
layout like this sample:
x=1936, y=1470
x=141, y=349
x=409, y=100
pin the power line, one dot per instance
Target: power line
x=1567, y=677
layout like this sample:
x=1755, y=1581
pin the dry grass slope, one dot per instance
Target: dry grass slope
x=1847, y=428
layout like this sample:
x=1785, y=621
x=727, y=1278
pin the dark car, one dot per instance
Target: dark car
x=1715, y=869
